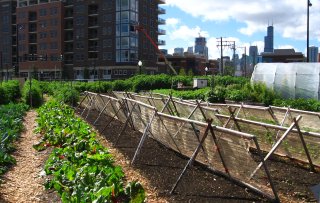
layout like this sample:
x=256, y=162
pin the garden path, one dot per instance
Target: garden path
x=23, y=183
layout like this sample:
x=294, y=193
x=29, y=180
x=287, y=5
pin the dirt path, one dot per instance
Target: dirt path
x=23, y=183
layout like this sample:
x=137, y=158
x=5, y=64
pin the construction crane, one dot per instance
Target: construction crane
x=140, y=28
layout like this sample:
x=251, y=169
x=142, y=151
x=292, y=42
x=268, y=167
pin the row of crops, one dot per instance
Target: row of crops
x=11, y=125
x=82, y=169
x=221, y=89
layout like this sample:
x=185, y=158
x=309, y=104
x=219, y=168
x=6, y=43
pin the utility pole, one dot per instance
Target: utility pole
x=221, y=59
x=224, y=43
x=1, y=68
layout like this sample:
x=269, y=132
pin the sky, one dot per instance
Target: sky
x=242, y=21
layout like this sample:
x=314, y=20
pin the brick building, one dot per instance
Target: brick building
x=81, y=39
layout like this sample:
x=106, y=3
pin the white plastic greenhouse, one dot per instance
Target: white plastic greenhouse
x=291, y=80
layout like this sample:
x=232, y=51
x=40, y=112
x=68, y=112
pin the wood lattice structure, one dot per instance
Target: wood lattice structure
x=218, y=136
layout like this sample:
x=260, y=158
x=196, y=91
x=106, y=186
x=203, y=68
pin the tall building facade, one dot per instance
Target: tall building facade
x=178, y=51
x=268, y=40
x=8, y=39
x=253, y=55
x=314, y=54
x=201, y=47
x=80, y=39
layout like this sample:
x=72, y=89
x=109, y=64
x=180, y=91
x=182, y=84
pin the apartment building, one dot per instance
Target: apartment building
x=86, y=39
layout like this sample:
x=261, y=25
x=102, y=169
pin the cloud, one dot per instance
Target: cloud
x=172, y=22
x=289, y=16
x=186, y=33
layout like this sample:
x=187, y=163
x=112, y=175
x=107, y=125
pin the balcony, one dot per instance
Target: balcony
x=93, y=48
x=161, y=42
x=161, y=10
x=161, y=1
x=93, y=10
x=161, y=32
x=161, y=21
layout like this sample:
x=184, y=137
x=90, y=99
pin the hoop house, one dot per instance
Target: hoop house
x=291, y=80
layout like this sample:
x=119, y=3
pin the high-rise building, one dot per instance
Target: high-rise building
x=314, y=53
x=7, y=37
x=201, y=47
x=178, y=51
x=253, y=54
x=268, y=40
x=190, y=50
x=93, y=39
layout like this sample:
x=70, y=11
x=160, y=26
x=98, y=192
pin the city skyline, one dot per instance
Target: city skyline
x=243, y=22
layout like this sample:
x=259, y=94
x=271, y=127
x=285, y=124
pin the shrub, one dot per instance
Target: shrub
x=216, y=94
x=68, y=95
x=35, y=92
x=2, y=96
x=121, y=85
x=12, y=90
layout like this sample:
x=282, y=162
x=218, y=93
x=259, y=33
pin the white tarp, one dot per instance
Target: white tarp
x=291, y=80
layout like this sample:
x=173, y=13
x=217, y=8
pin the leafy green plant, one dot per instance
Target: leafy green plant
x=35, y=93
x=68, y=95
x=82, y=170
x=217, y=94
x=10, y=127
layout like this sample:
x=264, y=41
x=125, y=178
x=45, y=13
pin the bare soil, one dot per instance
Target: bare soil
x=158, y=167
x=23, y=183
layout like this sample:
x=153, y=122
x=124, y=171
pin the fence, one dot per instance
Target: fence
x=217, y=135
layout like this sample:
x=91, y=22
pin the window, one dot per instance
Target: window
x=53, y=33
x=79, y=20
x=43, y=12
x=124, y=42
x=54, y=22
x=43, y=35
x=107, y=17
x=53, y=45
x=107, y=43
x=43, y=46
x=43, y=24
x=53, y=10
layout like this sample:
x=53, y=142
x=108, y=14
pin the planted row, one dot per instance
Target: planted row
x=9, y=91
x=11, y=125
x=82, y=170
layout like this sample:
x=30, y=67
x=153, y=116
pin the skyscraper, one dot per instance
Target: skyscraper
x=253, y=54
x=314, y=53
x=268, y=40
x=201, y=46
x=72, y=37
x=178, y=51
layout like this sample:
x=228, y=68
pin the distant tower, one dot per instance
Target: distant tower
x=178, y=51
x=201, y=46
x=314, y=53
x=268, y=40
x=190, y=50
x=253, y=53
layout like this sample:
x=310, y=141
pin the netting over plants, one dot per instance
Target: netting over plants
x=219, y=136
x=291, y=80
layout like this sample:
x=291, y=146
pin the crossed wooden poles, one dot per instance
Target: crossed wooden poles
x=127, y=106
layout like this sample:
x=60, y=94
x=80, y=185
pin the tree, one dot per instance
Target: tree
x=190, y=72
x=229, y=70
x=182, y=72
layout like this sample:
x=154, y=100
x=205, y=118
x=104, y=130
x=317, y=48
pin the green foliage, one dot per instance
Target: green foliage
x=9, y=91
x=35, y=92
x=68, y=95
x=182, y=72
x=302, y=104
x=80, y=168
x=190, y=94
x=122, y=85
x=10, y=127
x=190, y=72
x=217, y=94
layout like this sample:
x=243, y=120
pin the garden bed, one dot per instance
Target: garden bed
x=162, y=167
